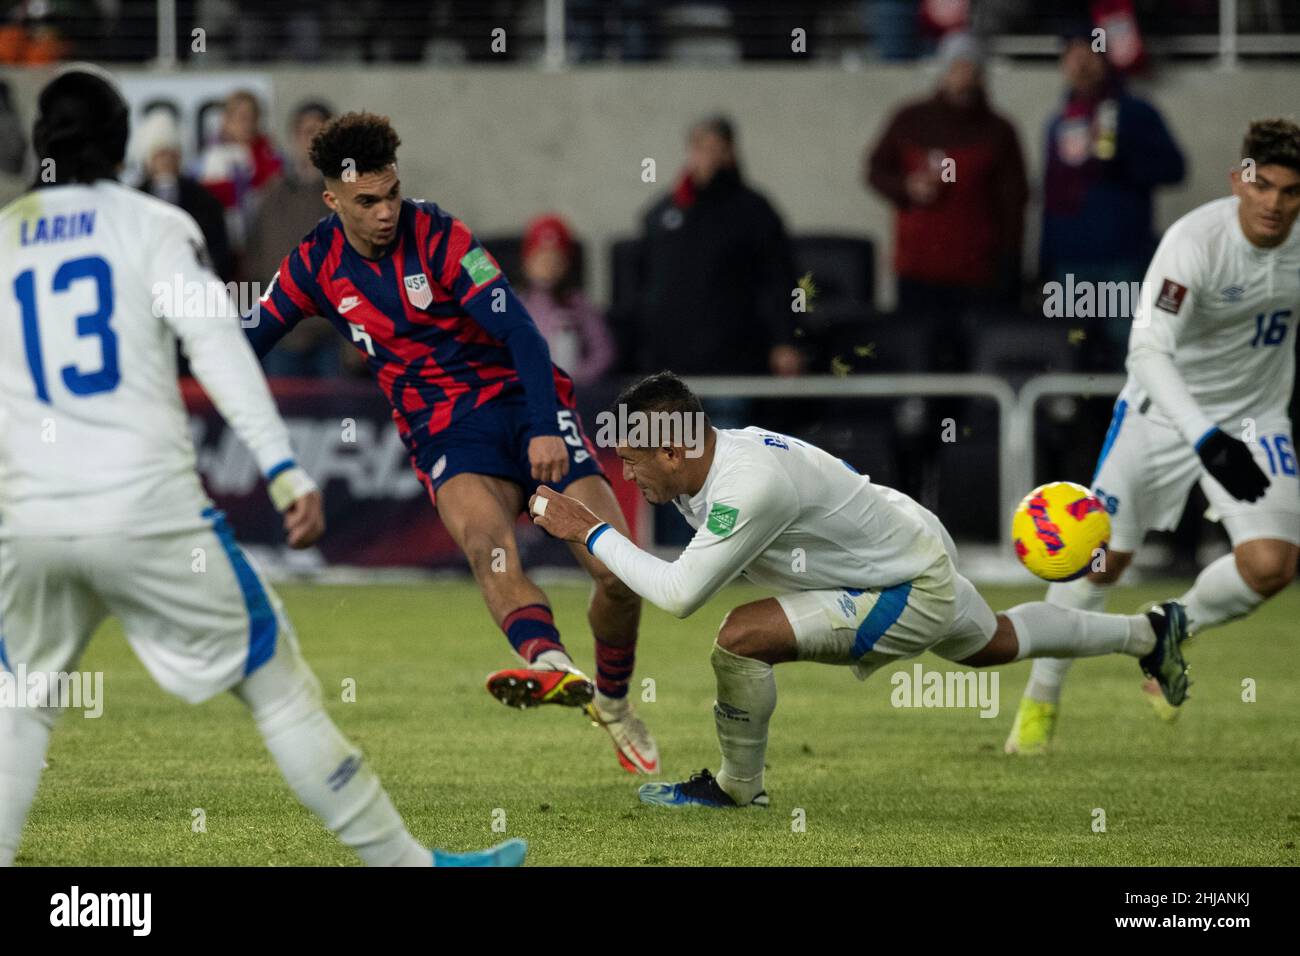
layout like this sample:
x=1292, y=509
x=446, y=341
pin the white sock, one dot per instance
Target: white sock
x=1048, y=673
x=745, y=703
x=1219, y=595
x=553, y=660
x=612, y=706
x=1046, y=630
x=323, y=768
x=24, y=737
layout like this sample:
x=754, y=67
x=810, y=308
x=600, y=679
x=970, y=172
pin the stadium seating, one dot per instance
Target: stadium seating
x=843, y=269
x=1018, y=349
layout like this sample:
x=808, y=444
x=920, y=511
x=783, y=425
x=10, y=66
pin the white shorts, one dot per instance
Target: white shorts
x=938, y=611
x=196, y=611
x=1146, y=470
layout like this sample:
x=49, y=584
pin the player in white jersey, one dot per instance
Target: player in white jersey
x=101, y=510
x=1211, y=368
x=866, y=578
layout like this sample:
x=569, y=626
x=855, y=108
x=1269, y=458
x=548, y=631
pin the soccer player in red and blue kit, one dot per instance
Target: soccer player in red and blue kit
x=484, y=413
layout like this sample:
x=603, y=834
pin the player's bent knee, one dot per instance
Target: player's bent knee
x=1268, y=570
x=1003, y=647
x=489, y=555
x=740, y=638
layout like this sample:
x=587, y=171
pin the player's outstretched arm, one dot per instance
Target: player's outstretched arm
x=734, y=535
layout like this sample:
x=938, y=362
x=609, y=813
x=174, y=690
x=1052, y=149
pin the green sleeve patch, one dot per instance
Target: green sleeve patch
x=722, y=520
x=479, y=265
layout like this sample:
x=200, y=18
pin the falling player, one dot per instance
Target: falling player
x=876, y=583
x=101, y=510
x=1211, y=366
x=485, y=415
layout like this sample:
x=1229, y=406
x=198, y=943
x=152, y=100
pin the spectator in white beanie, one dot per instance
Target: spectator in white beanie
x=158, y=147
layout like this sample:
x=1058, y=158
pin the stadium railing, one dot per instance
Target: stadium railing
x=920, y=385
x=1020, y=431
x=1016, y=419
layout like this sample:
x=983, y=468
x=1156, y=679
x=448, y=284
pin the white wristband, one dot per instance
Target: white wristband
x=288, y=486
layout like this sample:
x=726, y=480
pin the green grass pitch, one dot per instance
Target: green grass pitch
x=876, y=785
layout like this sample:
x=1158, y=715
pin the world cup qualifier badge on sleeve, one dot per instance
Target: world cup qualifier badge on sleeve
x=1171, y=296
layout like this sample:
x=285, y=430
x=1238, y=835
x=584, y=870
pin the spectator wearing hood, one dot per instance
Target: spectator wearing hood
x=573, y=327
x=954, y=172
x=158, y=146
x=1107, y=151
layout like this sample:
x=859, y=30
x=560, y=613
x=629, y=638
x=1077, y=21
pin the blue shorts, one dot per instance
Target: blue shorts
x=493, y=440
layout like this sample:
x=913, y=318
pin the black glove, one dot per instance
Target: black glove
x=1232, y=465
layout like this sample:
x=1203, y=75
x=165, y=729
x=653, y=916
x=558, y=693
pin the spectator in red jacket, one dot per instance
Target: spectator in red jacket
x=571, y=324
x=954, y=171
x=239, y=163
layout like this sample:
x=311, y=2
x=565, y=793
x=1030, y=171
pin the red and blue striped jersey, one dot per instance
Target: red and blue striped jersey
x=440, y=328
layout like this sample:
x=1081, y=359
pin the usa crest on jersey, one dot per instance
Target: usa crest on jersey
x=418, y=292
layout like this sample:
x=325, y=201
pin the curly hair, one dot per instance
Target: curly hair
x=354, y=142
x=1273, y=142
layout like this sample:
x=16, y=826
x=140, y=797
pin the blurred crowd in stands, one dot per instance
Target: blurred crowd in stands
x=711, y=282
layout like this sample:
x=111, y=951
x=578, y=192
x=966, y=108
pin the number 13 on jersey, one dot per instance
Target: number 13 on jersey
x=91, y=269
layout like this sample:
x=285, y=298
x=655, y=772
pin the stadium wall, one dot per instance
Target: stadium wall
x=495, y=146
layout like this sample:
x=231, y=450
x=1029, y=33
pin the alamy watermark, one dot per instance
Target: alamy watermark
x=75, y=690
x=640, y=429
x=922, y=688
x=190, y=298
x=1086, y=299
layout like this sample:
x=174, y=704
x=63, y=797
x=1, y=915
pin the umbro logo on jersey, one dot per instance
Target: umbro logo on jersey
x=348, y=303
x=1232, y=293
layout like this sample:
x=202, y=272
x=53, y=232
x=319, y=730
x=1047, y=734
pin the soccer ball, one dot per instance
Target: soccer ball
x=1058, y=529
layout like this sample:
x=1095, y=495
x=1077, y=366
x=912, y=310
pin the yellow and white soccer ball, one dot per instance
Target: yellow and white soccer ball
x=1059, y=529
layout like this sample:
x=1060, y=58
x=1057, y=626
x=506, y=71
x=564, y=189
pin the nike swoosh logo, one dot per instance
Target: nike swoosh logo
x=348, y=304
x=640, y=759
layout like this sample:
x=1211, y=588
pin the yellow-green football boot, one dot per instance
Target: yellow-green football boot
x=1031, y=734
